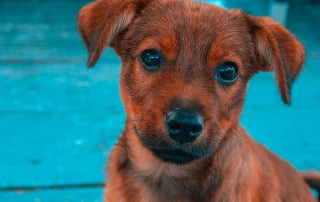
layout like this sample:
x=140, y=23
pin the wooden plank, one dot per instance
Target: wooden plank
x=41, y=41
x=291, y=133
x=257, y=8
x=304, y=25
x=69, y=195
x=58, y=122
x=263, y=91
x=59, y=87
x=40, y=29
x=40, y=11
x=49, y=123
x=39, y=149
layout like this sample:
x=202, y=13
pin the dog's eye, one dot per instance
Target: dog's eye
x=226, y=73
x=151, y=59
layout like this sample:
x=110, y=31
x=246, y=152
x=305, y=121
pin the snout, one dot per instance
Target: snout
x=183, y=126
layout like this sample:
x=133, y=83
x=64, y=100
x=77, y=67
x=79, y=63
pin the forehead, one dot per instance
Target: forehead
x=189, y=24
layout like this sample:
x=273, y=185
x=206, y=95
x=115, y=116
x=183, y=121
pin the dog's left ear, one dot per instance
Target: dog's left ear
x=276, y=49
x=101, y=21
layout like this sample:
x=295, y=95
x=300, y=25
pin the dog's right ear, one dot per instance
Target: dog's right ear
x=101, y=21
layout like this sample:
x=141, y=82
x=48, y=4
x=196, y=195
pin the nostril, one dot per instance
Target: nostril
x=174, y=126
x=195, y=130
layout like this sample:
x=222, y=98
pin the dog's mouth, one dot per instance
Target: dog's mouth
x=174, y=156
x=166, y=152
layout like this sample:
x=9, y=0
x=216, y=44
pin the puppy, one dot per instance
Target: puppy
x=185, y=70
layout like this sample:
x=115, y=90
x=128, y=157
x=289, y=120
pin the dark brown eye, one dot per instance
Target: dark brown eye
x=226, y=73
x=151, y=59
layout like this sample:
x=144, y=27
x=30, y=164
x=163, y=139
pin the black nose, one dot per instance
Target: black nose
x=183, y=126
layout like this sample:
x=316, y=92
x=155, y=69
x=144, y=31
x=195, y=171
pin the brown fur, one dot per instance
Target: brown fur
x=193, y=38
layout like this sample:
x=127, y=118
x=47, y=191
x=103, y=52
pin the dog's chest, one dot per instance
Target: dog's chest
x=167, y=187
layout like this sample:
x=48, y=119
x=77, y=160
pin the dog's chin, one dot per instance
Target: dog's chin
x=175, y=156
x=171, y=152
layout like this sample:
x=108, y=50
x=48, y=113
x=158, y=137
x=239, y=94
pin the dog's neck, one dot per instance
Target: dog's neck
x=168, y=181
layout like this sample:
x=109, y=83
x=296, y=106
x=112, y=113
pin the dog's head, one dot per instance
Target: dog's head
x=186, y=66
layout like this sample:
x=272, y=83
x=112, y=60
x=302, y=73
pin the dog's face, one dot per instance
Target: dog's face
x=186, y=66
x=184, y=63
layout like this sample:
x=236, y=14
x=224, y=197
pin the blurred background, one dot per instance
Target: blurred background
x=59, y=120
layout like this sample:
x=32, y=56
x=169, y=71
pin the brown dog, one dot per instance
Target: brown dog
x=186, y=67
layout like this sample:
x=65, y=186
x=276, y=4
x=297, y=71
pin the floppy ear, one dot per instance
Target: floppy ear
x=100, y=22
x=277, y=49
